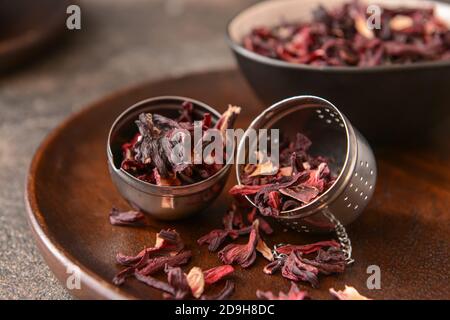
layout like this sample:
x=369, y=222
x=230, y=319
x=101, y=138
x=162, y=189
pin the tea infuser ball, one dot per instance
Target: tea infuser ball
x=352, y=162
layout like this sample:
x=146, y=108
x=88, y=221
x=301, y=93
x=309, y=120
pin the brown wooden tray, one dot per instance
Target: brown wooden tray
x=405, y=230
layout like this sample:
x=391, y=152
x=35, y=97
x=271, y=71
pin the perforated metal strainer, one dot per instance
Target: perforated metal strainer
x=334, y=137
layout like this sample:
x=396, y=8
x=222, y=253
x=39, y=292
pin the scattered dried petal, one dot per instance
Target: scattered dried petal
x=294, y=293
x=294, y=269
x=155, y=283
x=262, y=248
x=217, y=273
x=224, y=294
x=178, y=281
x=349, y=293
x=341, y=36
x=242, y=254
x=214, y=239
x=196, y=281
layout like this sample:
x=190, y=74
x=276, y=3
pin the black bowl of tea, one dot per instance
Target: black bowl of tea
x=146, y=149
x=391, y=90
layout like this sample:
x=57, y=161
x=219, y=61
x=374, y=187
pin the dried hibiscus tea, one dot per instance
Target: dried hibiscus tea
x=168, y=250
x=215, y=274
x=196, y=281
x=296, y=181
x=307, y=248
x=341, y=37
x=294, y=293
x=224, y=294
x=242, y=254
x=125, y=218
x=177, y=279
x=349, y=293
x=159, y=153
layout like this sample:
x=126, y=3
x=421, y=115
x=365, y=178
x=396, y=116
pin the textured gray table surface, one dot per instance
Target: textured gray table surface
x=122, y=42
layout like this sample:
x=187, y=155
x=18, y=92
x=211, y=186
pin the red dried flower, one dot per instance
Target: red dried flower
x=349, y=293
x=242, y=254
x=294, y=269
x=125, y=218
x=307, y=248
x=158, y=263
x=214, y=239
x=340, y=37
x=217, y=273
x=178, y=281
x=294, y=293
x=224, y=294
x=167, y=242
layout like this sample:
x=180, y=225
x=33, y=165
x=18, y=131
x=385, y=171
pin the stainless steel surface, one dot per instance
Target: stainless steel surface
x=161, y=202
x=334, y=137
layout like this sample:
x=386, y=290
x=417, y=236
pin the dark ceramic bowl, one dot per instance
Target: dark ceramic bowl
x=386, y=103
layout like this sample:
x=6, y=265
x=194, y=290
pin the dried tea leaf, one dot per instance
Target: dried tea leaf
x=125, y=218
x=215, y=274
x=349, y=293
x=361, y=27
x=178, y=281
x=262, y=248
x=401, y=22
x=302, y=193
x=242, y=254
x=155, y=283
x=214, y=239
x=307, y=248
x=274, y=266
x=341, y=36
x=196, y=281
x=224, y=294
x=264, y=169
x=156, y=264
x=154, y=154
x=294, y=269
x=294, y=293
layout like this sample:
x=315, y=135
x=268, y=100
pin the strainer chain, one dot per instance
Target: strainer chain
x=342, y=235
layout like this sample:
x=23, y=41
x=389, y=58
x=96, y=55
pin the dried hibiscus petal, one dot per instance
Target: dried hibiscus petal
x=349, y=293
x=341, y=37
x=125, y=218
x=224, y=294
x=294, y=293
x=327, y=262
x=167, y=242
x=214, y=239
x=242, y=254
x=263, y=224
x=307, y=248
x=217, y=273
x=196, y=281
x=155, y=283
x=274, y=266
x=262, y=248
x=156, y=264
x=294, y=269
x=153, y=155
x=178, y=281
